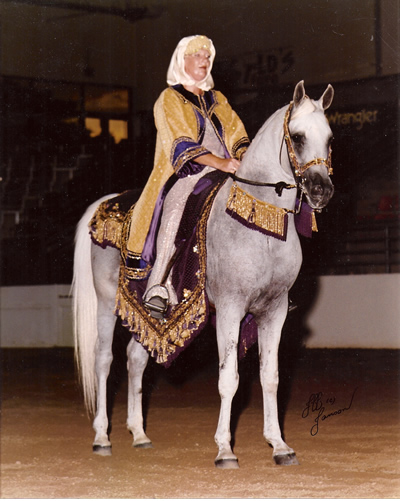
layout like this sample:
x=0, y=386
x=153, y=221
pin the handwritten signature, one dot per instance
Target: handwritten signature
x=317, y=404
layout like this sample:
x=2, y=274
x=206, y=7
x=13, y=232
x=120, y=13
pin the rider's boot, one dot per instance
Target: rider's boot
x=159, y=295
x=156, y=300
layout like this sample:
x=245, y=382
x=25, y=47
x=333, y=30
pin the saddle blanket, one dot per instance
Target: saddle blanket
x=166, y=339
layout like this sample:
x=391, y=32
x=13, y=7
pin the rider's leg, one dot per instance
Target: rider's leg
x=173, y=208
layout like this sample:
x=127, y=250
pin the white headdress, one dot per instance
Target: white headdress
x=190, y=45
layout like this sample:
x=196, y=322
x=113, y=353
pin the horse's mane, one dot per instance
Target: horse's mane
x=255, y=149
x=306, y=106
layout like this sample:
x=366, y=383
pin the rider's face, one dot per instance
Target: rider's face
x=197, y=65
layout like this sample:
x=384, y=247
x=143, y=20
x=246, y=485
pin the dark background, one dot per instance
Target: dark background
x=64, y=62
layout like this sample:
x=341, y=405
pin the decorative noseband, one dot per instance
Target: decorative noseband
x=299, y=170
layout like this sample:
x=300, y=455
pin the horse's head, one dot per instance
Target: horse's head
x=308, y=138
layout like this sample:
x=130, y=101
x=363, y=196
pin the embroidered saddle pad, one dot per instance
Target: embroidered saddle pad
x=167, y=338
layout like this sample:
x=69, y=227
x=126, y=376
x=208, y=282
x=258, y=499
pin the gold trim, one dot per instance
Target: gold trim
x=163, y=338
x=240, y=146
x=254, y=211
x=106, y=225
x=190, y=153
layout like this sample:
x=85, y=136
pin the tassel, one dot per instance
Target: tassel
x=252, y=215
x=314, y=222
x=232, y=201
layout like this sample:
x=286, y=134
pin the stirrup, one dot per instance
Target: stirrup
x=156, y=304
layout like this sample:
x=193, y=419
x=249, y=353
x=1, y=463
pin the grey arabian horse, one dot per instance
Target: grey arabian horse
x=247, y=272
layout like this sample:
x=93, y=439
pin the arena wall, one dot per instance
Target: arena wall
x=352, y=311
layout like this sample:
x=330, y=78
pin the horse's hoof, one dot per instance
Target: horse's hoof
x=227, y=464
x=286, y=459
x=102, y=450
x=144, y=445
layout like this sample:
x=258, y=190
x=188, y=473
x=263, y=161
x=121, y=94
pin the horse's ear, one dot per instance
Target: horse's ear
x=327, y=97
x=299, y=93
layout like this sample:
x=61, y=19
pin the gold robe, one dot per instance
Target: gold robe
x=180, y=121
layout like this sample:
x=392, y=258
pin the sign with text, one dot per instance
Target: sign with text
x=251, y=71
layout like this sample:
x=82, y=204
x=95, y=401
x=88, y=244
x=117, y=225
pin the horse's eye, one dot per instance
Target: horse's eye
x=297, y=138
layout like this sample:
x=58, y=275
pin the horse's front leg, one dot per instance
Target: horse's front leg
x=105, y=274
x=227, y=337
x=137, y=361
x=269, y=334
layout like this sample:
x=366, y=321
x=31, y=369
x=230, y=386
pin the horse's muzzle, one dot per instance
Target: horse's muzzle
x=318, y=190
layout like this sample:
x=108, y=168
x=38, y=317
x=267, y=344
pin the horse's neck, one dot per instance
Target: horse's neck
x=266, y=160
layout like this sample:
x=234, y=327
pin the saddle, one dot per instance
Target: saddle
x=167, y=337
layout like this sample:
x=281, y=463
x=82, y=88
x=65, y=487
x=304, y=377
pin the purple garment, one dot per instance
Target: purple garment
x=303, y=220
x=150, y=245
x=184, y=274
x=149, y=248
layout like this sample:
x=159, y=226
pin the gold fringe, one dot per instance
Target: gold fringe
x=163, y=338
x=261, y=214
x=106, y=225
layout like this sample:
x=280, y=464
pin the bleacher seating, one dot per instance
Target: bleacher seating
x=44, y=193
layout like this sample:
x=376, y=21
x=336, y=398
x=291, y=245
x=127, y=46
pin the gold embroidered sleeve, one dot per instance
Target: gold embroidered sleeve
x=178, y=129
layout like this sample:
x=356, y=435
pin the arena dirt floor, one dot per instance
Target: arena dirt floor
x=46, y=435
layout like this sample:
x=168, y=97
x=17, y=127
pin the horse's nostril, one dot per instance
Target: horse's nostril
x=317, y=190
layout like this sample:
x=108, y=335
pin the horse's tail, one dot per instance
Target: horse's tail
x=84, y=307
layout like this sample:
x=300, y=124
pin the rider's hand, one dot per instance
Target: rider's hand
x=230, y=165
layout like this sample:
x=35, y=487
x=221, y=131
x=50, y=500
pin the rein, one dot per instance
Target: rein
x=279, y=187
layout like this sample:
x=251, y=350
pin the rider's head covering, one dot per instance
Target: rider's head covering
x=187, y=46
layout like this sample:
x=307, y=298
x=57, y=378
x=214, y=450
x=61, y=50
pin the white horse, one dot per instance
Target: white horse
x=247, y=272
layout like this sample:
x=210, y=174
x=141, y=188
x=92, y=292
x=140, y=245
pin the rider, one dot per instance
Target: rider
x=197, y=132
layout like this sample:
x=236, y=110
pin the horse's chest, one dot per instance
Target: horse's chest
x=277, y=262
x=253, y=259
x=245, y=259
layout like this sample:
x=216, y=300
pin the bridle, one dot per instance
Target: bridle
x=298, y=169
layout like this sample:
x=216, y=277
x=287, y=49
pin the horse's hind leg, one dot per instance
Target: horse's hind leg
x=105, y=275
x=269, y=334
x=137, y=361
